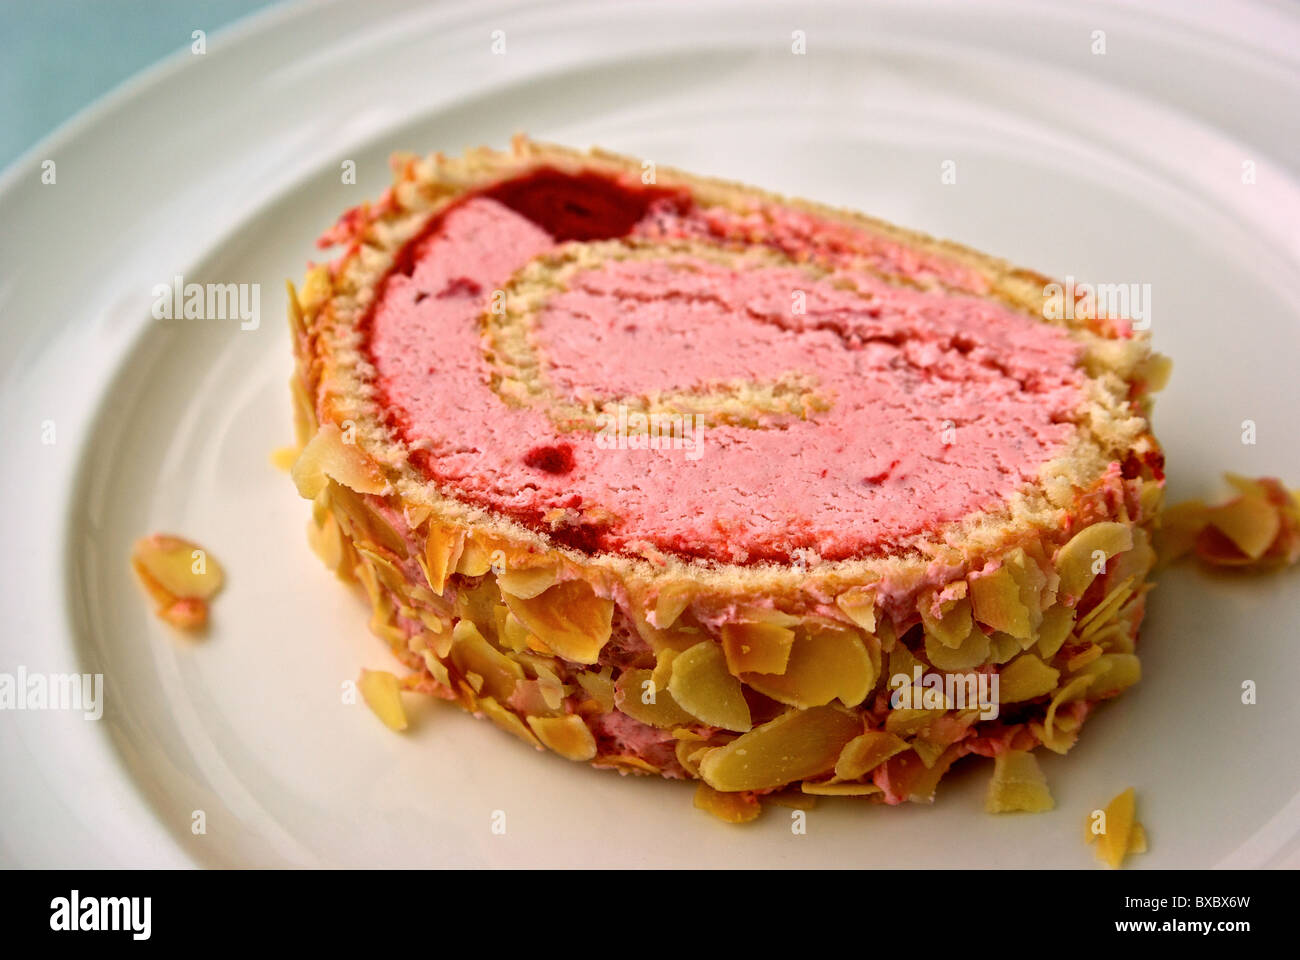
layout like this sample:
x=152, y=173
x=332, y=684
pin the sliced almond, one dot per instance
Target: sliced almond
x=996, y=599
x=865, y=752
x=1058, y=621
x=599, y=687
x=951, y=624
x=382, y=693
x=826, y=662
x=756, y=647
x=1251, y=523
x=529, y=583
x=508, y=721
x=569, y=619
x=568, y=736
x=1111, y=673
x=471, y=652
x=1026, y=678
x=973, y=651
x=475, y=559
x=794, y=746
x=363, y=522
x=1017, y=785
x=731, y=807
x=1113, y=843
x=442, y=549
x=637, y=695
x=1077, y=560
x=702, y=685
x=326, y=455
x=669, y=604
x=859, y=605
x=182, y=568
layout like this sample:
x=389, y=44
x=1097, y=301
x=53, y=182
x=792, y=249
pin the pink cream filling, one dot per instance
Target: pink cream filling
x=940, y=404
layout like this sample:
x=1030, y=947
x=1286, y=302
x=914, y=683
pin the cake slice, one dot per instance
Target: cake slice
x=678, y=477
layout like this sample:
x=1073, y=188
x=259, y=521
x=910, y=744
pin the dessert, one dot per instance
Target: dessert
x=681, y=478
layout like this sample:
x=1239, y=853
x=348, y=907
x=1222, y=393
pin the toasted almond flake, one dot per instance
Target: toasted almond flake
x=972, y=651
x=327, y=456
x=1113, y=843
x=731, y=807
x=1137, y=841
x=1111, y=673
x=1076, y=689
x=795, y=746
x=181, y=568
x=840, y=789
x=826, y=662
x=631, y=764
x=1098, y=616
x=185, y=613
x=1075, y=562
x=1058, y=621
x=383, y=694
x=475, y=559
x=415, y=514
x=1083, y=657
x=865, y=752
x=996, y=601
x=1251, y=523
x=908, y=720
x=442, y=549
x=508, y=721
x=637, y=695
x=512, y=633
x=471, y=653
x=756, y=647
x=316, y=290
x=663, y=670
x=910, y=776
x=528, y=583
x=1026, y=678
x=928, y=752
x=669, y=604
x=385, y=570
x=952, y=626
x=599, y=687
x=859, y=605
x=1002, y=647
x=568, y=619
x=568, y=736
x=436, y=668
x=1017, y=785
x=702, y=685
x=362, y=521
x=684, y=751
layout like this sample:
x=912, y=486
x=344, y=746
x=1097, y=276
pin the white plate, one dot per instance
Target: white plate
x=1120, y=167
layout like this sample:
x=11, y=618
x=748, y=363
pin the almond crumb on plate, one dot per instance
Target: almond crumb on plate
x=180, y=576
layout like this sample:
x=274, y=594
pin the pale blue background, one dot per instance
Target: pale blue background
x=59, y=56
